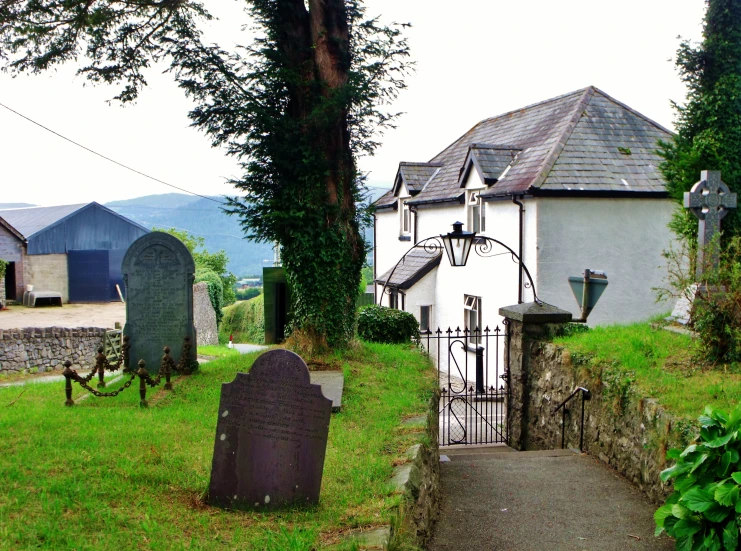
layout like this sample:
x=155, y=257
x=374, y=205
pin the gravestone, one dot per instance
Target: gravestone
x=271, y=436
x=158, y=272
x=709, y=200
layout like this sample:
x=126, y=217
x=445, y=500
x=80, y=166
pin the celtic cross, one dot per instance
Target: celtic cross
x=709, y=200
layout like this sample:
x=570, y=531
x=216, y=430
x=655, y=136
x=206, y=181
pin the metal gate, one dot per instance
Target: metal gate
x=474, y=389
x=88, y=276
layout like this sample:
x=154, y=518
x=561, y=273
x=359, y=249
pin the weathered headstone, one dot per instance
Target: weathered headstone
x=271, y=436
x=709, y=200
x=158, y=271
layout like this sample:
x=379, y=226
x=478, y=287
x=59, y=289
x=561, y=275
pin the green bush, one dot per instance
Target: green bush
x=701, y=513
x=3, y=267
x=247, y=294
x=215, y=290
x=245, y=320
x=387, y=325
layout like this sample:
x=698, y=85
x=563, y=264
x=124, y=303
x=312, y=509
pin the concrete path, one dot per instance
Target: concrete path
x=70, y=315
x=247, y=348
x=540, y=501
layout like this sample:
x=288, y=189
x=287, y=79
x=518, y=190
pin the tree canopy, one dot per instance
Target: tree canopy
x=709, y=124
x=296, y=107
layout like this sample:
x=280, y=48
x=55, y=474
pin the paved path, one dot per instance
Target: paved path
x=540, y=501
x=70, y=315
x=247, y=348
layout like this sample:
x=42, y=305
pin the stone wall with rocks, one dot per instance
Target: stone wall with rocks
x=204, y=316
x=2, y=292
x=47, y=348
x=629, y=432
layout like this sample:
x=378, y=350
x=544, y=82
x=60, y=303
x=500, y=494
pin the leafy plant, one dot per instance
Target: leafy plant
x=703, y=511
x=387, y=325
x=3, y=267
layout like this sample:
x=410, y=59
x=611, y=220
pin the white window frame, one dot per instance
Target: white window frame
x=421, y=317
x=476, y=213
x=472, y=307
x=405, y=217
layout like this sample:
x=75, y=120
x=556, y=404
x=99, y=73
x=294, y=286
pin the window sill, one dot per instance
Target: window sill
x=405, y=238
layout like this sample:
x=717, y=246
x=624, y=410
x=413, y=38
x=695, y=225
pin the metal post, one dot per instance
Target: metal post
x=480, y=370
x=581, y=431
x=142, y=373
x=563, y=428
x=100, y=360
x=68, y=383
x=585, y=296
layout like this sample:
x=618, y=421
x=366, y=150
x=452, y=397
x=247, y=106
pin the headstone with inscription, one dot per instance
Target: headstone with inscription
x=271, y=436
x=158, y=271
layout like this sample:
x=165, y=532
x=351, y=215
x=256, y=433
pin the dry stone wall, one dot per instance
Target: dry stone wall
x=629, y=432
x=47, y=348
x=204, y=316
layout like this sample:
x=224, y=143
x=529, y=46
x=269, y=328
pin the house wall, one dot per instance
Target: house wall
x=11, y=250
x=623, y=237
x=47, y=272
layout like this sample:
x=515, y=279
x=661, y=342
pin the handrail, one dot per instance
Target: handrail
x=585, y=395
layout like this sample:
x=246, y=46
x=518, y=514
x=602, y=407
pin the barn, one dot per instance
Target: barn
x=75, y=250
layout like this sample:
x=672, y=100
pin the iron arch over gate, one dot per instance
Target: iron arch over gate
x=473, y=368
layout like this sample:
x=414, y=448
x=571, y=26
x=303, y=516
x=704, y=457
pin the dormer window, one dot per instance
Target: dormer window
x=476, y=213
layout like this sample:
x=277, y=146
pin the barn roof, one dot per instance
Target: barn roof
x=29, y=220
x=584, y=141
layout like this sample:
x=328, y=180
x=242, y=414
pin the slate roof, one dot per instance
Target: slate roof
x=412, y=268
x=584, y=141
x=29, y=220
x=416, y=175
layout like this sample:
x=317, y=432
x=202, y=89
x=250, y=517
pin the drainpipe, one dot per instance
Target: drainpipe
x=413, y=210
x=375, y=247
x=522, y=225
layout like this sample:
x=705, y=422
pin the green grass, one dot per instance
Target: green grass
x=106, y=474
x=245, y=320
x=217, y=351
x=659, y=363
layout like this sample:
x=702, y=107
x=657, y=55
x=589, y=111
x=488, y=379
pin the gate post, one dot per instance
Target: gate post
x=480, y=370
x=523, y=322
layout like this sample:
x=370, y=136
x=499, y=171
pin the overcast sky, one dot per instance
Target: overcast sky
x=475, y=59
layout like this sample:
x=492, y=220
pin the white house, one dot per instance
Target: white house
x=569, y=183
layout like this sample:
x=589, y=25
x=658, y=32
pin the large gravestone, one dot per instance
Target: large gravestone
x=271, y=436
x=158, y=271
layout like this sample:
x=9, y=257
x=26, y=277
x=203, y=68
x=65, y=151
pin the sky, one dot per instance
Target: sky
x=474, y=59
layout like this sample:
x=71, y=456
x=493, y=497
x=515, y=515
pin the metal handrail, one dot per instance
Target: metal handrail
x=585, y=395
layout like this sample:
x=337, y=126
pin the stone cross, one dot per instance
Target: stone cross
x=709, y=200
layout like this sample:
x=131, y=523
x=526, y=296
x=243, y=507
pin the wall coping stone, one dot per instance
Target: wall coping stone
x=533, y=312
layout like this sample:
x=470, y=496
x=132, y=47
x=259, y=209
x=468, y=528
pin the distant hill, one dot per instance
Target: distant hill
x=204, y=218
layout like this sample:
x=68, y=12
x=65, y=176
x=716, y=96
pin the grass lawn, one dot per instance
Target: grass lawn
x=659, y=363
x=106, y=474
x=217, y=351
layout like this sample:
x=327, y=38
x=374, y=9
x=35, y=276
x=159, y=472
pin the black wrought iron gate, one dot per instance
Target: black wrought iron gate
x=474, y=390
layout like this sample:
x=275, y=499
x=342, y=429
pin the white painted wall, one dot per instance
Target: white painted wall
x=623, y=237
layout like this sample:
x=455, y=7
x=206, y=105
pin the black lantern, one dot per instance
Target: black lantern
x=458, y=244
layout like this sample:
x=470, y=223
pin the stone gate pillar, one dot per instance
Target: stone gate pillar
x=526, y=322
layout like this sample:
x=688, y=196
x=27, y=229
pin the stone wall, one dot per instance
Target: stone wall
x=47, y=272
x=2, y=292
x=629, y=432
x=47, y=348
x=204, y=316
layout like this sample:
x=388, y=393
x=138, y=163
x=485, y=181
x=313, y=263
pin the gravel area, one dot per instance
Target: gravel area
x=70, y=315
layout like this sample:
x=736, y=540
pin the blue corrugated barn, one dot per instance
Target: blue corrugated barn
x=75, y=250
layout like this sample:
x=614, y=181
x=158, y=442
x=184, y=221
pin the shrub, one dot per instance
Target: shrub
x=215, y=290
x=245, y=320
x=701, y=512
x=716, y=299
x=247, y=294
x=387, y=325
x=3, y=267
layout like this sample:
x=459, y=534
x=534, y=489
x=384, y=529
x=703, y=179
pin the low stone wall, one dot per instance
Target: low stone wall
x=631, y=433
x=204, y=316
x=47, y=348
